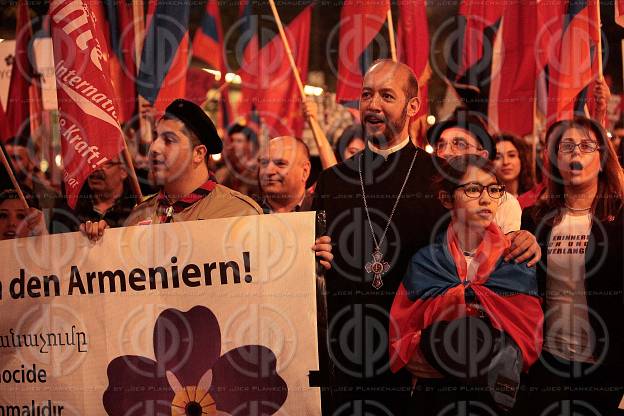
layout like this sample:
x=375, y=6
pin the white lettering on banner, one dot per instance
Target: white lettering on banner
x=75, y=23
x=84, y=94
x=72, y=135
x=69, y=179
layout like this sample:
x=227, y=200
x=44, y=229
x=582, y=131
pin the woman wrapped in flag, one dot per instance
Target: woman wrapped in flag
x=464, y=322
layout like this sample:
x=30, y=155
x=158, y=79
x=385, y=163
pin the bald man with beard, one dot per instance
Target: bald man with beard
x=384, y=188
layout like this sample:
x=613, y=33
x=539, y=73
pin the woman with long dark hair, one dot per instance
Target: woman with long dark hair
x=513, y=164
x=579, y=224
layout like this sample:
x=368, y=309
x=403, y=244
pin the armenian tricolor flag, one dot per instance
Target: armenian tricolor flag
x=436, y=289
x=164, y=59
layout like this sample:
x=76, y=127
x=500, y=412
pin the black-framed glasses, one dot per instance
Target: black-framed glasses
x=585, y=146
x=457, y=144
x=475, y=189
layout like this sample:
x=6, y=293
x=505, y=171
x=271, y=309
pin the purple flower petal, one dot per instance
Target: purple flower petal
x=136, y=388
x=187, y=343
x=245, y=382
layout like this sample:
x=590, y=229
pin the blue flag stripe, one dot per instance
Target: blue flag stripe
x=167, y=28
x=574, y=8
x=209, y=27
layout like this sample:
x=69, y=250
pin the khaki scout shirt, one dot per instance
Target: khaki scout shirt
x=222, y=202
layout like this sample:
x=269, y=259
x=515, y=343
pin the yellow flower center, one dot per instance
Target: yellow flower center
x=193, y=401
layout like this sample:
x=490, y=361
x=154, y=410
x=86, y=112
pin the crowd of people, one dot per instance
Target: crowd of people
x=473, y=283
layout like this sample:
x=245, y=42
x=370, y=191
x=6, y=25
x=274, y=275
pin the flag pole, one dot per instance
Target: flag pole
x=319, y=137
x=600, y=76
x=130, y=166
x=393, y=52
x=16, y=186
x=145, y=128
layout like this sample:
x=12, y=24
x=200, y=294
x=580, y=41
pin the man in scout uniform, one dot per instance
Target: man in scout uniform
x=188, y=190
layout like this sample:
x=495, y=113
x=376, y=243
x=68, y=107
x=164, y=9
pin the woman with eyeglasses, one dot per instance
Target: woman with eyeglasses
x=580, y=227
x=464, y=322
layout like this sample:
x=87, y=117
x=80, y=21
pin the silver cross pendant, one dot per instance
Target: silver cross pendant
x=378, y=267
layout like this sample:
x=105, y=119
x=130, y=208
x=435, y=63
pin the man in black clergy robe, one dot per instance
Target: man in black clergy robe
x=357, y=368
x=360, y=288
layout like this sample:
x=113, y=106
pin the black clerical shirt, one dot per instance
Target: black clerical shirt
x=357, y=365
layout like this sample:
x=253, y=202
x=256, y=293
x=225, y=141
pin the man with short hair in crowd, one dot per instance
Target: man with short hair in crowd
x=466, y=133
x=283, y=170
x=185, y=136
x=240, y=170
x=107, y=196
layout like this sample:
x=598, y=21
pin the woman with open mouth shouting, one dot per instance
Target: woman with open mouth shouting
x=579, y=225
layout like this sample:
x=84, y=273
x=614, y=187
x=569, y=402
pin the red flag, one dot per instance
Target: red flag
x=202, y=82
x=479, y=29
x=250, y=65
x=514, y=70
x=5, y=132
x=619, y=12
x=208, y=46
x=360, y=24
x=115, y=25
x=478, y=16
x=573, y=63
x=208, y=40
x=22, y=76
x=413, y=45
x=120, y=38
x=274, y=90
x=88, y=118
x=164, y=59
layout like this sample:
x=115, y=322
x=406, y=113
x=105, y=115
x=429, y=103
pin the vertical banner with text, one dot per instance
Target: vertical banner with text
x=88, y=117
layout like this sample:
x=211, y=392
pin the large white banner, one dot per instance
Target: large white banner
x=207, y=317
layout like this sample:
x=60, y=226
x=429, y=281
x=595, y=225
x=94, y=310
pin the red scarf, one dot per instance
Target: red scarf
x=488, y=252
x=166, y=209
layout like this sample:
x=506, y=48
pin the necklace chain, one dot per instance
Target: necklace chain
x=370, y=223
x=577, y=209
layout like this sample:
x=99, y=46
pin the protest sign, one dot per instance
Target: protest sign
x=214, y=316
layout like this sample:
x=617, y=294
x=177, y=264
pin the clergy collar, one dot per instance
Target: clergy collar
x=387, y=152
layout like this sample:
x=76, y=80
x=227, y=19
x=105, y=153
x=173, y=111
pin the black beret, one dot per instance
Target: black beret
x=196, y=120
x=470, y=122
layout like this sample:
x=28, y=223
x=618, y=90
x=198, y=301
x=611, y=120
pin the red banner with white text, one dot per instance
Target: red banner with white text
x=88, y=117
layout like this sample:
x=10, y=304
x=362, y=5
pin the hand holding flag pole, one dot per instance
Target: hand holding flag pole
x=326, y=152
